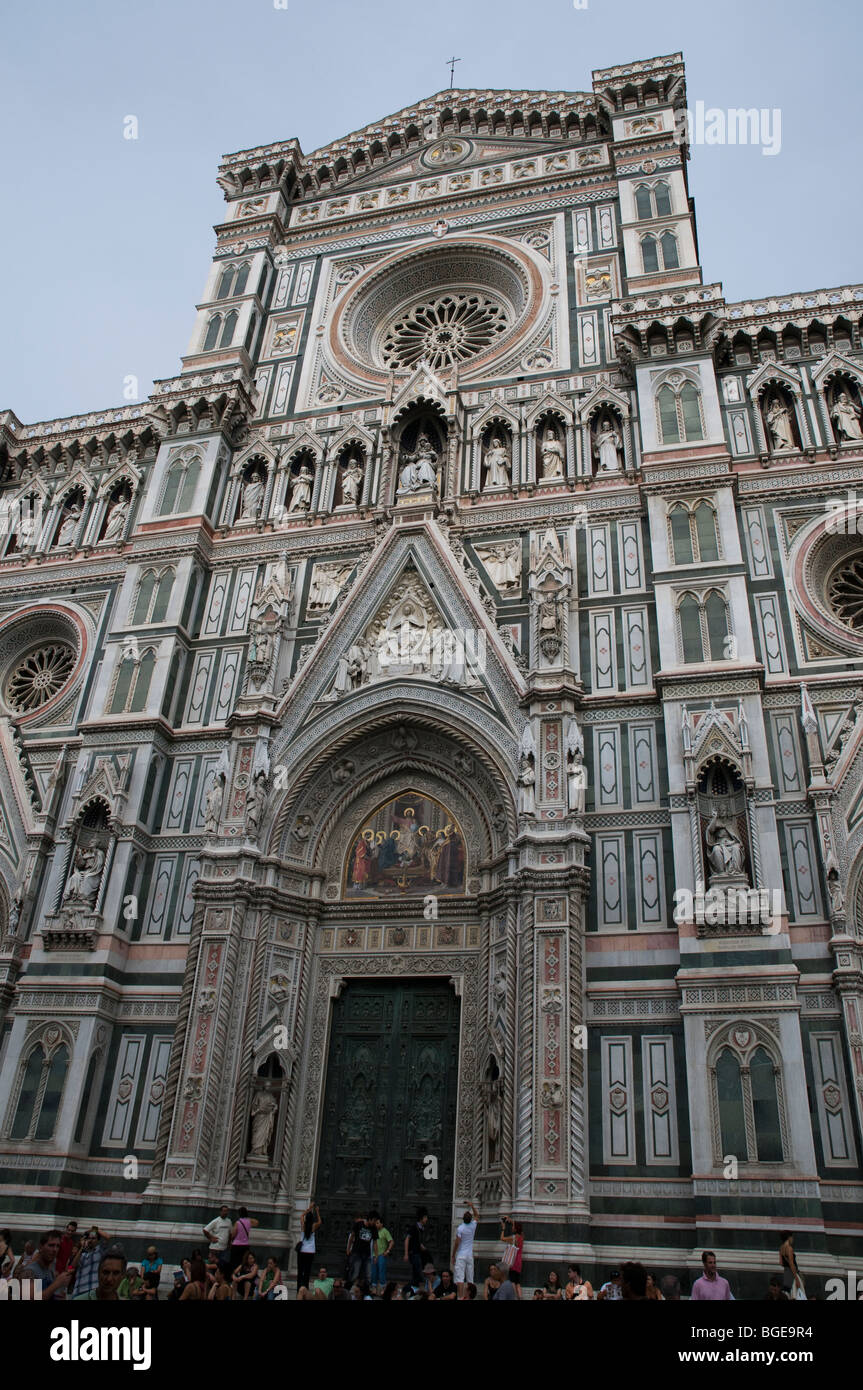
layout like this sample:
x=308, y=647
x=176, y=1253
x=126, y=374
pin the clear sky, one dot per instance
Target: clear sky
x=107, y=242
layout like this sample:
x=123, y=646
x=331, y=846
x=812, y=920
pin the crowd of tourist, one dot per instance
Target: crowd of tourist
x=91, y=1266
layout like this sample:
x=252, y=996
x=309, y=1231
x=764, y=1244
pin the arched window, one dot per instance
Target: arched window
x=662, y=199
x=765, y=1107
x=689, y=617
x=681, y=536
x=652, y=200
x=694, y=535
x=212, y=337
x=649, y=254
x=123, y=685
x=690, y=404
x=669, y=425
x=716, y=612
x=162, y=597
x=27, y=1095
x=232, y=280
x=748, y=1097
x=228, y=329
x=40, y=1095
x=705, y=532
x=86, y=1097
x=47, y=1121
x=132, y=686
x=226, y=280
x=643, y=201
x=173, y=479
x=679, y=413
x=142, y=682
x=141, y=611
x=253, y=323
x=670, y=258
x=190, y=483
x=729, y=1088
x=704, y=627
x=154, y=594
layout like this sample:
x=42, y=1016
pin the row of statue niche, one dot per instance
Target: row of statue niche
x=256, y=804
x=252, y=495
x=115, y=524
x=779, y=418
x=576, y=775
x=607, y=448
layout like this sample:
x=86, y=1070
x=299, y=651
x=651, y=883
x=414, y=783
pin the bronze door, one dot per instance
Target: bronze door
x=388, y=1134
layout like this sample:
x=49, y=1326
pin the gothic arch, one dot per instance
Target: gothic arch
x=743, y=1038
x=405, y=755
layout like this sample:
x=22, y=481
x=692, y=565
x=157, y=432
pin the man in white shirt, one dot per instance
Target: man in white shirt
x=462, y=1250
x=218, y=1233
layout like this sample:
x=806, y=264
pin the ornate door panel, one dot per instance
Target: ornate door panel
x=389, y=1107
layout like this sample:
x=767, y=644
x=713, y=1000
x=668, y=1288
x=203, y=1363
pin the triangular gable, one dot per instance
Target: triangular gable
x=772, y=371
x=80, y=478
x=123, y=471
x=603, y=395
x=451, y=602
x=411, y=165
x=550, y=403
x=496, y=410
x=833, y=363
x=295, y=443
x=715, y=734
x=422, y=384
x=352, y=434
x=260, y=449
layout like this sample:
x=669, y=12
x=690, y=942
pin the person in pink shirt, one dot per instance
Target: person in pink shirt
x=711, y=1286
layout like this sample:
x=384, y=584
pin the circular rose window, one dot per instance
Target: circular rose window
x=40, y=675
x=41, y=656
x=458, y=303
x=448, y=329
x=845, y=592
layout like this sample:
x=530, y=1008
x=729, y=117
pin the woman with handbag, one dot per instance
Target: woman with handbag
x=240, y=1236
x=513, y=1250
x=305, y=1246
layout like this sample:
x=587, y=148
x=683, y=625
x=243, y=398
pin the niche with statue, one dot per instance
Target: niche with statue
x=721, y=799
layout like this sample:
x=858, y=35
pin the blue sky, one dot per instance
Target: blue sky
x=107, y=242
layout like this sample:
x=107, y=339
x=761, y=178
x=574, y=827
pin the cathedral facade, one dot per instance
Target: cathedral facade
x=432, y=723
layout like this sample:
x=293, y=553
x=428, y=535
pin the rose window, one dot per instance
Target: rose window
x=39, y=676
x=845, y=593
x=460, y=304
x=446, y=330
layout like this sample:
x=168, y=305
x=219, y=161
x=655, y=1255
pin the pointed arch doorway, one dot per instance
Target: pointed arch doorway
x=389, y=1108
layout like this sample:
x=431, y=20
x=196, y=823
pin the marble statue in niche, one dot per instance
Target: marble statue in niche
x=607, y=446
x=252, y=496
x=263, y=1117
x=778, y=418
x=725, y=851
x=418, y=471
x=846, y=418
x=117, y=514
x=496, y=465
x=83, y=885
x=301, y=490
x=551, y=455
x=69, y=524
